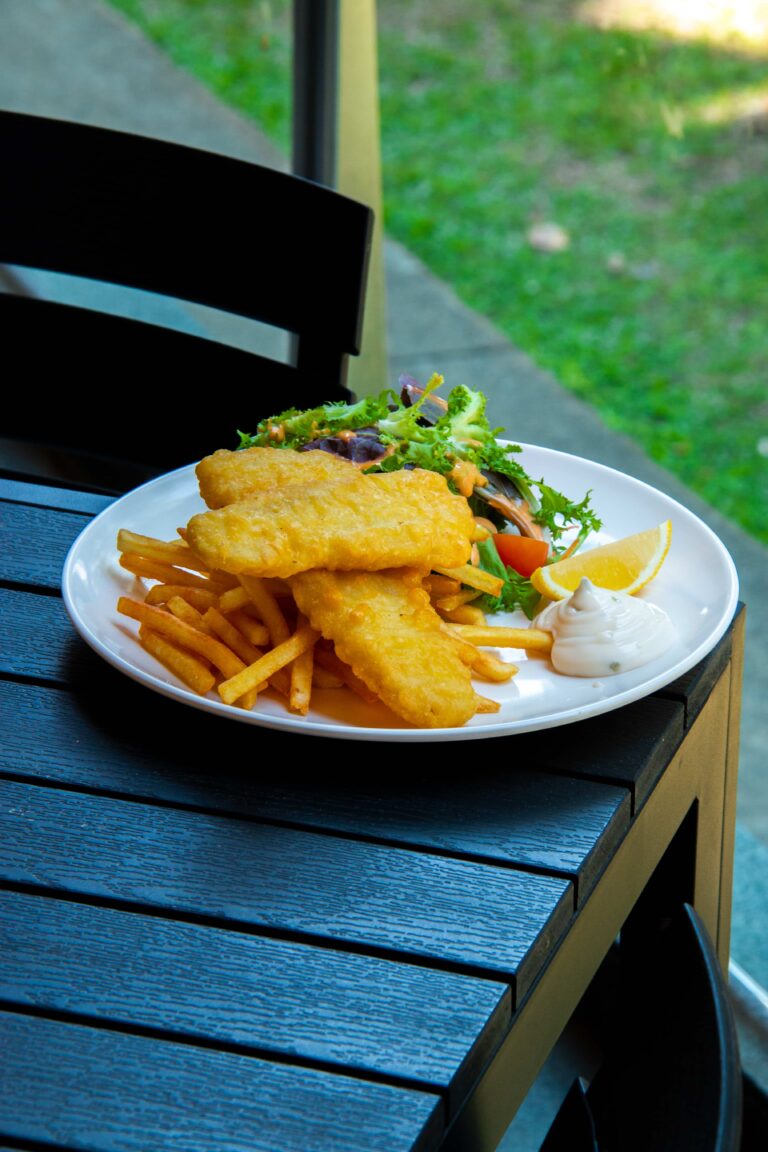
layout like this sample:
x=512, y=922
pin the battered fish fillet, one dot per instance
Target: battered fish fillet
x=389, y=520
x=226, y=477
x=384, y=626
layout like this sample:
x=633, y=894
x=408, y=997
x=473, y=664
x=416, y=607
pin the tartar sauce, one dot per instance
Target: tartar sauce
x=599, y=633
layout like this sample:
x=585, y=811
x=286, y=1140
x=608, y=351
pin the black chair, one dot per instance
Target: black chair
x=121, y=399
x=671, y=1078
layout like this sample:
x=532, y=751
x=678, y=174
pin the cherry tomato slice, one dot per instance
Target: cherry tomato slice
x=521, y=553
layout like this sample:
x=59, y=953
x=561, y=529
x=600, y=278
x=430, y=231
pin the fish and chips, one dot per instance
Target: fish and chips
x=307, y=573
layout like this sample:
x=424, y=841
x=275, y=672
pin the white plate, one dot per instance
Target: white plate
x=697, y=586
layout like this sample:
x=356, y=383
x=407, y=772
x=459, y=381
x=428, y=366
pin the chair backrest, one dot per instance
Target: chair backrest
x=187, y=224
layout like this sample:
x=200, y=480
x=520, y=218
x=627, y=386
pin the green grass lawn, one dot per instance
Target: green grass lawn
x=497, y=114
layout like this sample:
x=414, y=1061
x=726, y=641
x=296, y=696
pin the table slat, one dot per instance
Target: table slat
x=309, y=1005
x=50, y=533
x=495, y=811
x=39, y=641
x=451, y=913
x=630, y=746
x=48, y=496
x=109, y=1092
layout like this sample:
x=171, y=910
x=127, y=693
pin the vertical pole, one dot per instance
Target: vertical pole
x=358, y=174
x=336, y=140
x=315, y=89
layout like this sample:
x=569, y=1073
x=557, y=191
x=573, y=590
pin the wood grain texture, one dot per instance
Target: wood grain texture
x=47, y=496
x=498, y=812
x=108, y=1092
x=38, y=639
x=34, y=543
x=305, y=1004
x=452, y=913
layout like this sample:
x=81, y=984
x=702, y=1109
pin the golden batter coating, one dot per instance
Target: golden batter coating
x=226, y=477
x=387, y=520
x=383, y=625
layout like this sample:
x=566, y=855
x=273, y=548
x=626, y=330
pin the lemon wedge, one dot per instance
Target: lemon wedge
x=624, y=566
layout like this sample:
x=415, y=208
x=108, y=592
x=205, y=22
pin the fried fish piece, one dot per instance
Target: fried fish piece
x=389, y=520
x=226, y=477
x=383, y=625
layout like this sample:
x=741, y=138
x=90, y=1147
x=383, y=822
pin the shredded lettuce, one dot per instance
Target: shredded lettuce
x=298, y=428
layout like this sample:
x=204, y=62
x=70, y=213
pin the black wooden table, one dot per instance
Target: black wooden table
x=221, y=937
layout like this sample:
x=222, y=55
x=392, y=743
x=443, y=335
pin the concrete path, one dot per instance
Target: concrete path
x=78, y=59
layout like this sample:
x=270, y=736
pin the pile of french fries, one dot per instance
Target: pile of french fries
x=242, y=635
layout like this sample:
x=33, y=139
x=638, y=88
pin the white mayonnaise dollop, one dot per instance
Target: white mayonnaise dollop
x=599, y=633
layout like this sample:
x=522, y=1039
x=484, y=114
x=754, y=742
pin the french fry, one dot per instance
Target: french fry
x=214, y=624
x=486, y=705
x=166, y=573
x=464, y=614
x=199, y=598
x=449, y=603
x=182, y=610
x=301, y=676
x=248, y=700
x=328, y=660
x=253, y=630
x=438, y=585
x=223, y=580
x=174, y=552
x=233, y=599
x=183, y=634
x=267, y=607
x=483, y=664
x=253, y=676
x=528, y=639
x=474, y=578
x=281, y=681
x=188, y=668
x=167, y=552
x=225, y=630
x=258, y=635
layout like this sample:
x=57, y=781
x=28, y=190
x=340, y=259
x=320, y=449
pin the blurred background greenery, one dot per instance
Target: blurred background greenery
x=591, y=176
